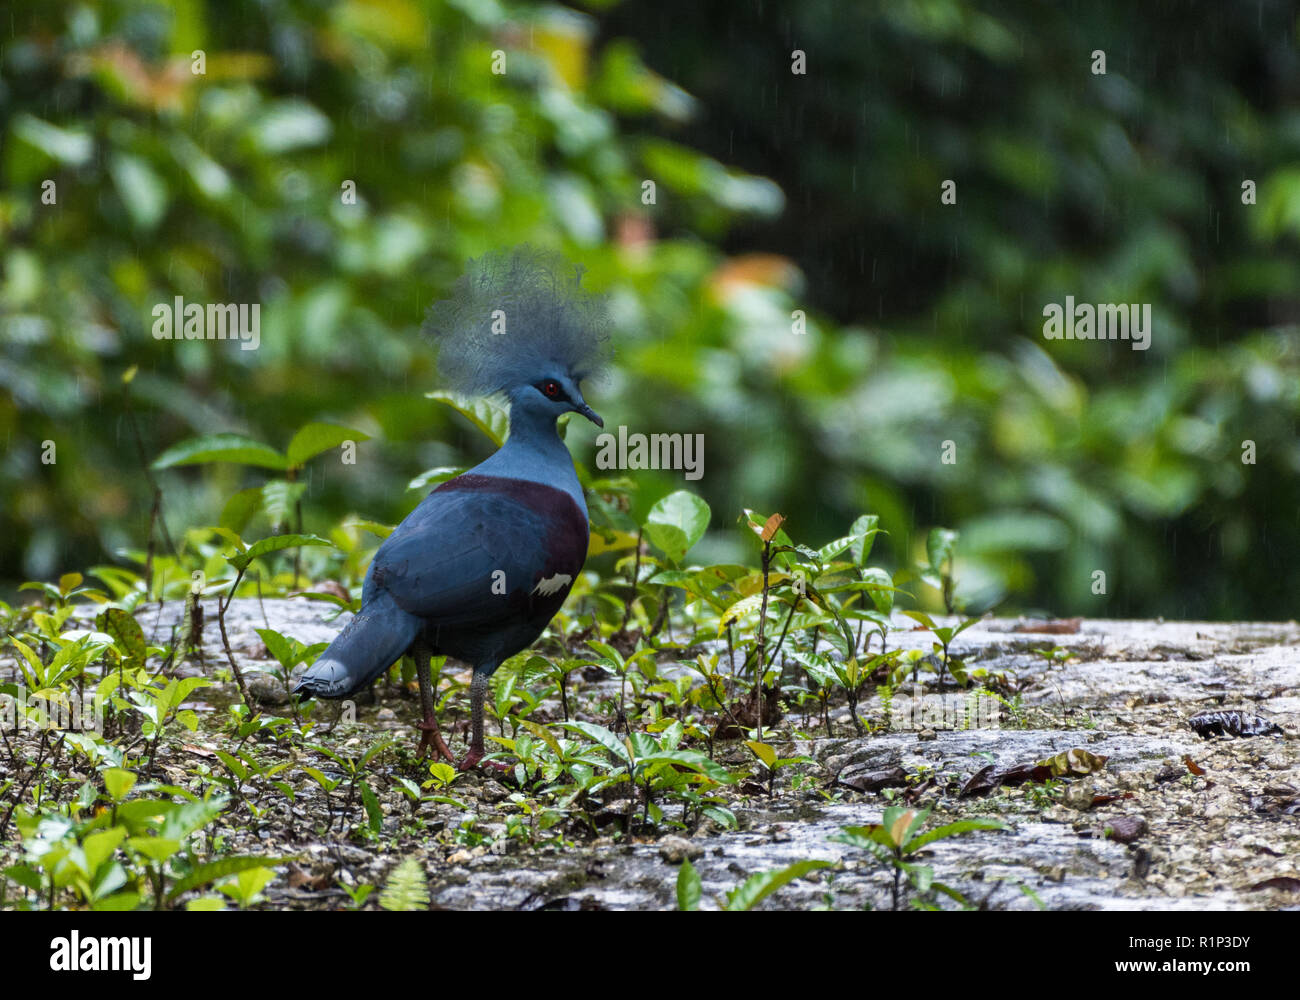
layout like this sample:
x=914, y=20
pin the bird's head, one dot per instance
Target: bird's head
x=519, y=324
x=554, y=395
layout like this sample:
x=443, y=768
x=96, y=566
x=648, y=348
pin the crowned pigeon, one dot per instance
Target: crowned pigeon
x=485, y=561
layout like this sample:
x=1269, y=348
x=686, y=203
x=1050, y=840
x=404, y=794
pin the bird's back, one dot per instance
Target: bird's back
x=477, y=570
x=484, y=562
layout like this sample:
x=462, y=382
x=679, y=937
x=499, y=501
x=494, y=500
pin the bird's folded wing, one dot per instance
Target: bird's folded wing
x=459, y=557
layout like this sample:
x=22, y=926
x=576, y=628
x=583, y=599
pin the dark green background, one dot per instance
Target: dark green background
x=775, y=192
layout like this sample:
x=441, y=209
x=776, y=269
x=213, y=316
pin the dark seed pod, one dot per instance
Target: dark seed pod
x=1208, y=724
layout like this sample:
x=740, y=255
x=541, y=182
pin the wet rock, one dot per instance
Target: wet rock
x=267, y=690
x=675, y=850
x=1126, y=829
x=493, y=791
x=864, y=778
x=1079, y=795
x=1124, y=689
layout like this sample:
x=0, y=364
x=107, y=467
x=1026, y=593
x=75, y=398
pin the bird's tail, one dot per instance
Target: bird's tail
x=377, y=635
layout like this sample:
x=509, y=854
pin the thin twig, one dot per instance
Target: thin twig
x=225, y=642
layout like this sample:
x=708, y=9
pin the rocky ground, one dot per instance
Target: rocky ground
x=1170, y=820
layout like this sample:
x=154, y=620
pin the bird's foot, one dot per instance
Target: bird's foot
x=473, y=758
x=432, y=739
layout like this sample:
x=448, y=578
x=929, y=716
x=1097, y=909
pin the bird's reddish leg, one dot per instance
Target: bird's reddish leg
x=477, y=690
x=431, y=738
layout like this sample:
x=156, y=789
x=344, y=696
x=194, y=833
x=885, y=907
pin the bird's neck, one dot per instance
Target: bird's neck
x=534, y=452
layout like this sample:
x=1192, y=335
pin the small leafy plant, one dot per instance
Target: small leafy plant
x=896, y=840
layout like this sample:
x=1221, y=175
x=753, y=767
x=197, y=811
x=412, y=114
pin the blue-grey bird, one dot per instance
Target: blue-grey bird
x=485, y=561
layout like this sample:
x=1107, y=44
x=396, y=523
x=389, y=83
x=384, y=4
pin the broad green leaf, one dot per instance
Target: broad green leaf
x=764, y=752
x=602, y=736
x=233, y=764
x=602, y=541
x=126, y=632
x=688, y=887
x=952, y=830
x=864, y=529
x=881, y=586
x=923, y=618
x=544, y=734
x=99, y=847
x=432, y=477
x=314, y=438
x=443, y=774
x=374, y=814
x=210, y=871
x=25, y=875
x=487, y=415
x=676, y=523
x=247, y=884
x=280, y=499
x=940, y=547
x=376, y=528
x=139, y=813
x=867, y=838
x=275, y=543
x=279, y=646
x=178, y=690
x=921, y=876
x=830, y=550
x=221, y=448
x=117, y=782
x=317, y=776
x=693, y=759
x=901, y=823
x=739, y=610
x=118, y=902
x=723, y=816
x=241, y=508
x=154, y=848
x=758, y=887
x=607, y=652
x=33, y=670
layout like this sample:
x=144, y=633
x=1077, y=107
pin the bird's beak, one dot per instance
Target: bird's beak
x=591, y=415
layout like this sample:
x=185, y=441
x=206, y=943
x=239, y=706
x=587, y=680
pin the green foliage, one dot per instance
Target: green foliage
x=897, y=838
x=676, y=523
x=759, y=886
x=406, y=887
x=140, y=853
x=688, y=887
x=229, y=186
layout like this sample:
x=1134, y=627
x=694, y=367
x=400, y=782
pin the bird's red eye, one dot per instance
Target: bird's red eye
x=552, y=389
